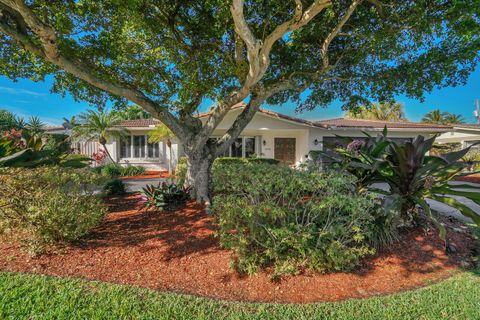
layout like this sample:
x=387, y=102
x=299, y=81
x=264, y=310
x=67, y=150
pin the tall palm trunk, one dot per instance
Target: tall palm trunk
x=103, y=142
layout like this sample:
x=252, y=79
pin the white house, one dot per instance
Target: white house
x=465, y=134
x=268, y=135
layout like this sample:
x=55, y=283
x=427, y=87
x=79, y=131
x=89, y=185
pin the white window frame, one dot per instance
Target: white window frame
x=132, y=149
x=243, y=145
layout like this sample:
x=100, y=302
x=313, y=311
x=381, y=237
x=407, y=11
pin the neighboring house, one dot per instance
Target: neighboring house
x=268, y=135
x=465, y=134
x=87, y=148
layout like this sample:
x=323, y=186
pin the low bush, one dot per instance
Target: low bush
x=113, y=170
x=164, y=196
x=290, y=219
x=48, y=205
x=181, y=171
x=114, y=187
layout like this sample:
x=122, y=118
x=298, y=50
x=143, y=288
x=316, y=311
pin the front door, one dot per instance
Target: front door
x=285, y=150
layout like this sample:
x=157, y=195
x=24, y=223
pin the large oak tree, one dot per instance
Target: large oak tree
x=170, y=56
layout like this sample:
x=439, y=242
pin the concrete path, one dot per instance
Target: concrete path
x=137, y=185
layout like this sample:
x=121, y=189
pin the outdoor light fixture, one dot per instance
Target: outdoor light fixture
x=315, y=142
x=264, y=142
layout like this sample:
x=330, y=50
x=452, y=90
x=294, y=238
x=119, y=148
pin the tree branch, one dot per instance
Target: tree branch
x=50, y=52
x=335, y=31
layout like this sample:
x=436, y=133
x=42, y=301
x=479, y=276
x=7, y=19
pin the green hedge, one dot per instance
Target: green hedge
x=49, y=205
x=114, y=170
x=290, y=219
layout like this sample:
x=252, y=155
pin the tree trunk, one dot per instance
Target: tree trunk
x=199, y=176
x=108, y=153
x=170, y=165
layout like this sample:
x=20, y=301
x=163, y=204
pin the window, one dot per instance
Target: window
x=153, y=150
x=236, y=148
x=138, y=147
x=240, y=148
x=125, y=147
x=249, y=147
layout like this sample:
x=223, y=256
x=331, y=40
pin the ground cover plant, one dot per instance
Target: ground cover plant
x=274, y=215
x=33, y=296
x=49, y=205
x=114, y=187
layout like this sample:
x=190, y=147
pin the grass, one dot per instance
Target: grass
x=25, y=296
x=40, y=297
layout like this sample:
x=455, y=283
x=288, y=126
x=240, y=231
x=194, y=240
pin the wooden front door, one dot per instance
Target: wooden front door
x=285, y=150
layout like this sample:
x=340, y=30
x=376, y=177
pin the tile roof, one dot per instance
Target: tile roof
x=138, y=123
x=378, y=124
x=327, y=124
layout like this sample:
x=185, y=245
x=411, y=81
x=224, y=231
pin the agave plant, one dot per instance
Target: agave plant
x=164, y=196
x=412, y=174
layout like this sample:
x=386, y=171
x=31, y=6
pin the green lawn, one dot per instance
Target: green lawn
x=38, y=297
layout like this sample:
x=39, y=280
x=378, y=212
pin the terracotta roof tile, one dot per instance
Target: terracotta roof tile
x=138, y=123
x=377, y=124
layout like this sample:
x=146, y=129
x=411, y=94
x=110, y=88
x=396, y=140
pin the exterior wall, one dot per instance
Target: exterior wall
x=465, y=137
x=161, y=163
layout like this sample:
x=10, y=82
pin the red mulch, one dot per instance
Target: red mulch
x=149, y=175
x=475, y=178
x=177, y=251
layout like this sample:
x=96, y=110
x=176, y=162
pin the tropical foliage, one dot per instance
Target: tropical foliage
x=163, y=133
x=20, y=150
x=114, y=170
x=386, y=111
x=276, y=216
x=164, y=196
x=439, y=117
x=49, y=205
x=412, y=174
x=99, y=126
x=132, y=112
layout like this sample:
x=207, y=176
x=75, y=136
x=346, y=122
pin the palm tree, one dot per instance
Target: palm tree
x=69, y=123
x=385, y=111
x=35, y=126
x=132, y=113
x=98, y=125
x=454, y=119
x=163, y=133
x=435, y=116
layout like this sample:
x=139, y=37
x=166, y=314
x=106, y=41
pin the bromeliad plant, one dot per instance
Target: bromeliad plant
x=164, y=196
x=412, y=174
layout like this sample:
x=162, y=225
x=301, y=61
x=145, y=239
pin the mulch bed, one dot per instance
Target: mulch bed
x=149, y=175
x=177, y=251
x=475, y=178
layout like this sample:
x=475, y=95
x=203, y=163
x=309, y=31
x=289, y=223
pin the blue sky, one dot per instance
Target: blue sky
x=27, y=98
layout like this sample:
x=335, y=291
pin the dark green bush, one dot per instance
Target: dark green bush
x=164, y=196
x=181, y=171
x=263, y=160
x=290, y=219
x=114, y=187
x=113, y=170
x=49, y=205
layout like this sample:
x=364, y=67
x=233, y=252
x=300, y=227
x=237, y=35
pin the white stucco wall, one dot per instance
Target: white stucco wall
x=162, y=163
x=459, y=136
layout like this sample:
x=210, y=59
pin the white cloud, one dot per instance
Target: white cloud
x=21, y=91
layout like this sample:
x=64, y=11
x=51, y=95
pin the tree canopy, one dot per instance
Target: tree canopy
x=439, y=117
x=387, y=111
x=170, y=56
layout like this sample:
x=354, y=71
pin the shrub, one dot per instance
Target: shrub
x=276, y=216
x=113, y=170
x=49, y=205
x=263, y=160
x=164, y=196
x=181, y=171
x=114, y=187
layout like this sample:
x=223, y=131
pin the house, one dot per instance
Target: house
x=268, y=135
x=463, y=134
